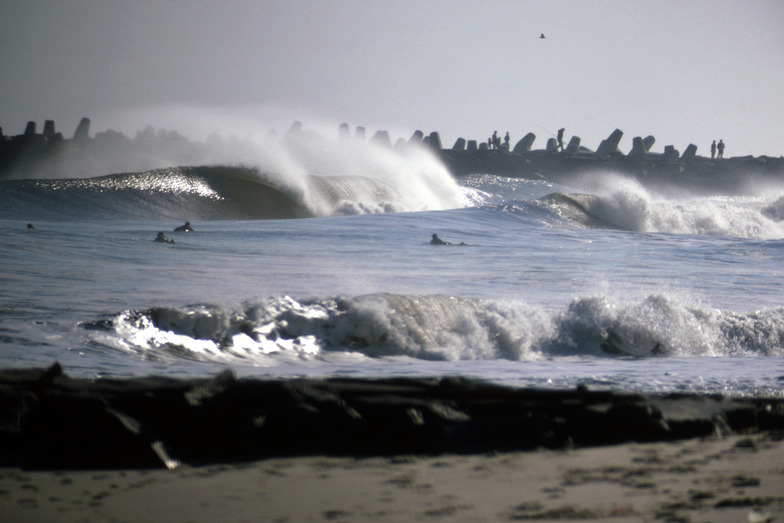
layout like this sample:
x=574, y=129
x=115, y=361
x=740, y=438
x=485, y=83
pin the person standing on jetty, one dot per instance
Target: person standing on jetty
x=560, y=138
x=720, y=147
x=713, y=150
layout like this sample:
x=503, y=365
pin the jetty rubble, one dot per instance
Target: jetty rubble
x=52, y=421
x=524, y=161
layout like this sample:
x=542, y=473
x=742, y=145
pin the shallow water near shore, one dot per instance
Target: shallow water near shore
x=605, y=284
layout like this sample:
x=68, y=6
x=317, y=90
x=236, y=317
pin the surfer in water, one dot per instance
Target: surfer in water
x=435, y=240
x=438, y=241
x=162, y=238
x=184, y=228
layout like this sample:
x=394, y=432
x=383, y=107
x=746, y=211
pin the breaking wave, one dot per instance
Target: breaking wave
x=617, y=202
x=634, y=209
x=216, y=193
x=440, y=328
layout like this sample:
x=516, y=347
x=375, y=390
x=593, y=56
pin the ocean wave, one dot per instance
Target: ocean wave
x=440, y=328
x=637, y=211
x=215, y=193
x=612, y=201
x=175, y=193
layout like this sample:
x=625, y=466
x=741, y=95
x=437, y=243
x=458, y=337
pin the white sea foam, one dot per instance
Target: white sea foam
x=443, y=328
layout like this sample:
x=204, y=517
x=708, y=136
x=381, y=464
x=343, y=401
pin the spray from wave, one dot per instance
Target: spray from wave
x=356, y=177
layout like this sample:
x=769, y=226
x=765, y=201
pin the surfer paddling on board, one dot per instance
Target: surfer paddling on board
x=162, y=238
x=435, y=240
x=438, y=241
x=184, y=228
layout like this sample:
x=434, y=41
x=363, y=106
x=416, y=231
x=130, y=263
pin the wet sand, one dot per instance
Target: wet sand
x=732, y=479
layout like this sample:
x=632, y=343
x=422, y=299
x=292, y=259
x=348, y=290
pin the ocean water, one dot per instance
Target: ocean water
x=324, y=268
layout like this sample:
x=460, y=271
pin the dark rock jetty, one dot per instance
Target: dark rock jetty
x=557, y=163
x=51, y=421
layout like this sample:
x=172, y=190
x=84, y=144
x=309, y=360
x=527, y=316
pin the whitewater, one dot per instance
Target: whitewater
x=303, y=266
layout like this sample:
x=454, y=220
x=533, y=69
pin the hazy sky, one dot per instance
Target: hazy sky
x=684, y=71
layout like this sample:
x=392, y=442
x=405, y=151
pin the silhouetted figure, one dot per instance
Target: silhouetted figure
x=162, y=238
x=184, y=228
x=438, y=241
x=496, y=140
x=506, y=140
x=713, y=150
x=560, y=138
x=30, y=226
x=541, y=36
x=720, y=148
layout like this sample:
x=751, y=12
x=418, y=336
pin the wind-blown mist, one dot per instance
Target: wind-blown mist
x=355, y=177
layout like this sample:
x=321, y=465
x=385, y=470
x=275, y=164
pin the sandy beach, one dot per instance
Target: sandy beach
x=732, y=479
x=228, y=449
